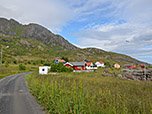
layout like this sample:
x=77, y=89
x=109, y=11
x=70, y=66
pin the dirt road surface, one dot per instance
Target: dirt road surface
x=15, y=97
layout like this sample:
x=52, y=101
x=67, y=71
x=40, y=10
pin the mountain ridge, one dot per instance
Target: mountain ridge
x=34, y=31
x=49, y=45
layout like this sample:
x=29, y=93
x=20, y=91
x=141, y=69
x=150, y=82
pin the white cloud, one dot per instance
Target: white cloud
x=51, y=13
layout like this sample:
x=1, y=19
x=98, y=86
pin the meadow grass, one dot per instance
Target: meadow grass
x=14, y=69
x=90, y=93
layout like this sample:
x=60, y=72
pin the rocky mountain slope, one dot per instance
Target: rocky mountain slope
x=34, y=42
x=35, y=32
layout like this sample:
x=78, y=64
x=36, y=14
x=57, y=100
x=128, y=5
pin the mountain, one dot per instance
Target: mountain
x=34, y=42
x=34, y=31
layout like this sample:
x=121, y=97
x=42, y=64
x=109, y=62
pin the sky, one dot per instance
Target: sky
x=122, y=26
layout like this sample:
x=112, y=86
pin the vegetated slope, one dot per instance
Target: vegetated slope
x=35, y=32
x=90, y=93
x=36, y=42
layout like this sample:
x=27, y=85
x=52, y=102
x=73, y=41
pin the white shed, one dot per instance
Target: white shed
x=44, y=69
x=100, y=64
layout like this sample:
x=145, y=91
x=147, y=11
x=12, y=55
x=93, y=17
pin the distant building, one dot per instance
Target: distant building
x=86, y=61
x=130, y=66
x=44, y=69
x=143, y=66
x=90, y=66
x=60, y=61
x=76, y=65
x=116, y=65
x=100, y=64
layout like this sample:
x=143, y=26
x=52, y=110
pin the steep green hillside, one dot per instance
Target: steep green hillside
x=34, y=31
x=35, y=43
x=22, y=49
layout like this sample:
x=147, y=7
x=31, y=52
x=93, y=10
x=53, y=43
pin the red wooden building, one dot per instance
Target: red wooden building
x=76, y=65
x=130, y=66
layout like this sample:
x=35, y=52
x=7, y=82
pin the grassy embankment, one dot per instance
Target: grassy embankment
x=14, y=69
x=90, y=93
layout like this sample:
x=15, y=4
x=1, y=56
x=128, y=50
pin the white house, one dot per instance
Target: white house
x=44, y=69
x=100, y=64
x=90, y=66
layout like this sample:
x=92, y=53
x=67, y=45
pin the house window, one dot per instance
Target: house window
x=43, y=69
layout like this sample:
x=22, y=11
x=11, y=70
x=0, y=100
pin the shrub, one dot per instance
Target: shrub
x=6, y=64
x=29, y=62
x=15, y=62
x=107, y=64
x=60, y=68
x=22, y=67
x=47, y=64
x=3, y=61
x=66, y=59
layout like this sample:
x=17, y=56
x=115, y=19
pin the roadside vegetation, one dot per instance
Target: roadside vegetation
x=11, y=69
x=90, y=93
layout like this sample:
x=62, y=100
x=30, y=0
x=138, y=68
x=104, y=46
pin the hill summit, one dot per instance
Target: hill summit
x=34, y=42
x=34, y=31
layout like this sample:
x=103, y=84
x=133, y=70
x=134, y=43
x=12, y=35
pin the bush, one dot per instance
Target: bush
x=29, y=62
x=107, y=64
x=3, y=61
x=22, y=67
x=15, y=62
x=65, y=58
x=47, y=64
x=6, y=64
x=60, y=68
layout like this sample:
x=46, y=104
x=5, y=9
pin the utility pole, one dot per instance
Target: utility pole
x=1, y=58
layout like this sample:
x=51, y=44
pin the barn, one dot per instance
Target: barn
x=76, y=65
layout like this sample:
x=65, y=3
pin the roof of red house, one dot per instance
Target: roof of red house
x=88, y=64
x=76, y=63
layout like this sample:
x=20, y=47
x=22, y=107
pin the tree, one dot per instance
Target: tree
x=15, y=62
x=47, y=64
x=107, y=64
x=22, y=67
x=60, y=68
x=65, y=58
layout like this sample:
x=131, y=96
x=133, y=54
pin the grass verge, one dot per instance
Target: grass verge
x=90, y=93
x=14, y=69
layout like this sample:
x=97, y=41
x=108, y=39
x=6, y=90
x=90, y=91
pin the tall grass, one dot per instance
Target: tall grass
x=90, y=93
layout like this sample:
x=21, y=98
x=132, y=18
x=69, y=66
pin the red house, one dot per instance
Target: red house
x=143, y=66
x=130, y=66
x=76, y=65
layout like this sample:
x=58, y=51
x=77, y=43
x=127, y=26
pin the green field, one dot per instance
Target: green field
x=90, y=93
x=14, y=69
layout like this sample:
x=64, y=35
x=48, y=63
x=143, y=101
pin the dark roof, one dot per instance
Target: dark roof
x=129, y=65
x=77, y=63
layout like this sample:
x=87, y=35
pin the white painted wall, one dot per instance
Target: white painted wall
x=91, y=68
x=44, y=69
x=99, y=64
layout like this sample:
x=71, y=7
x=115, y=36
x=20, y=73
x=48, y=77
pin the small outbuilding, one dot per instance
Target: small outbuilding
x=44, y=69
x=100, y=64
x=116, y=65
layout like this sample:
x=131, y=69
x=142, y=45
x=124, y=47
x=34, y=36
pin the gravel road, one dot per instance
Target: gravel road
x=15, y=97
